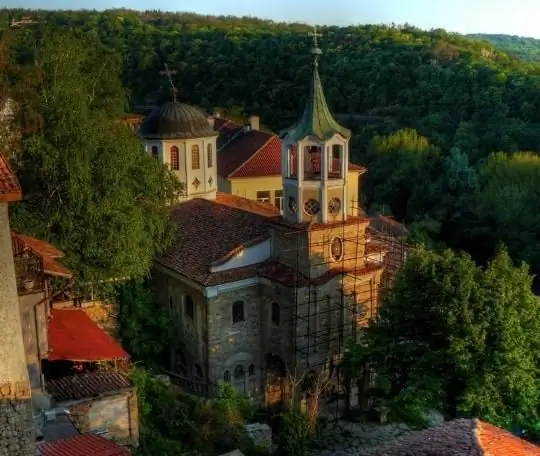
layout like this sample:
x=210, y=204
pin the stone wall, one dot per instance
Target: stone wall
x=236, y=347
x=189, y=358
x=17, y=436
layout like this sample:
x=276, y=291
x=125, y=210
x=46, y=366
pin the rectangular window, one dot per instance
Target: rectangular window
x=263, y=197
x=195, y=158
x=278, y=199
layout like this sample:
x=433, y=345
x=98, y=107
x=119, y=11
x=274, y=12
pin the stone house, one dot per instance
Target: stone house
x=256, y=294
x=27, y=414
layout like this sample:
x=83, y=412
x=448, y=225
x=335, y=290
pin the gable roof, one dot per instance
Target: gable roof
x=88, y=385
x=457, y=438
x=82, y=445
x=48, y=252
x=250, y=154
x=9, y=186
x=209, y=230
x=73, y=336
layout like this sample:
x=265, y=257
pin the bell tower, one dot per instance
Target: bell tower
x=315, y=159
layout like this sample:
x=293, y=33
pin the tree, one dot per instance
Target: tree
x=454, y=336
x=88, y=186
x=510, y=192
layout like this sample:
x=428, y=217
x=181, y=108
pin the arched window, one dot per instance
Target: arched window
x=209, y=158
x=238, y=312
x=189, y=308
x=175, y=158
x=251, y=370
x=198, y=372
x=239, y=372
x=275, y=314
x=155, y=152
x=195, y=159
x=227, y=376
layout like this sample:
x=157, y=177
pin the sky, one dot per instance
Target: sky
x=512, y=17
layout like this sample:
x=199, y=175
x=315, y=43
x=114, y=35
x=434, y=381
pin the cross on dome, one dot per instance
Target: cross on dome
x=167, y=72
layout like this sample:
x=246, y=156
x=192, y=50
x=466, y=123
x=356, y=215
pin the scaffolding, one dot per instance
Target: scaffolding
x=362, y=264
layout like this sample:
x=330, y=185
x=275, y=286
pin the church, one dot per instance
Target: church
x=259, y=293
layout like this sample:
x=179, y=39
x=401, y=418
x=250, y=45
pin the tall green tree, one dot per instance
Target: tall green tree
x=88, y=186
x=454, y=336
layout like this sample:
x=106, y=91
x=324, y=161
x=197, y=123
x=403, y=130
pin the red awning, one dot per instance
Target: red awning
x=73, y=336
x=82, y=445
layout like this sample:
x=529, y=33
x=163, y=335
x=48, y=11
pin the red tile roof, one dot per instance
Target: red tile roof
x=498, y=442
x=209, y=230
x=82, y=445
x=250, y=154
x=457, y=438
x=89, y=385
x=74, y=336
x=47, y=252
x=9, y=186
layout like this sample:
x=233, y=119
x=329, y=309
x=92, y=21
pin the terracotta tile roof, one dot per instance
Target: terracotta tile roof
x=387, y=225
x=82, y=445
x=498, y=442
x=208, y=231
x=89, y=385
x=47, y=252
x=74, y=336
x=278, y=272
x=257, y=207
x=311, y=226
x=252, y=154
x=457, y=438
x=9, y=186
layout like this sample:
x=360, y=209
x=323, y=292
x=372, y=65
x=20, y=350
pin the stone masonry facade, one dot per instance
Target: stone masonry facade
x=306, y=327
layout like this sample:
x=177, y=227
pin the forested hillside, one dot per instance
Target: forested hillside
x=523, y=47
x=427, y=108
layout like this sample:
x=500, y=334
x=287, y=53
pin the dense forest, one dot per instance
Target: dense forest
x=523, y=47
x=448, y=126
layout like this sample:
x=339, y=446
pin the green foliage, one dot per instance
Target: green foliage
x=144, y=331
x=456, y=337
x=89, y=187
x=295, y=431
x=173, y=423
x=523, y=47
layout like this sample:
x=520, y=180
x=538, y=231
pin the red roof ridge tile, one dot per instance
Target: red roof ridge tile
x=10, y=189
x=255, y=154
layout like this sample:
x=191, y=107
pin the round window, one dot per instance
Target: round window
x=312, y=206
x=336, y=249
x=334, y=206
x=291, y=203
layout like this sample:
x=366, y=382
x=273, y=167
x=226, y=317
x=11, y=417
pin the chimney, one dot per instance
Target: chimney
x=255, y=122
x=211, y=121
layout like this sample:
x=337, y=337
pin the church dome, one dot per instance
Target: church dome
x=175, y=120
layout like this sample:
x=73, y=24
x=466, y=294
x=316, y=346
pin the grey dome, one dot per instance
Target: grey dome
x=176, y=120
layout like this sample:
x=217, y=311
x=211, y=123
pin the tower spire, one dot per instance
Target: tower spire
x=169, y=74
x=315, y=50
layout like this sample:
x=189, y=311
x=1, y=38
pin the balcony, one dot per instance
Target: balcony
x=311, y=169
x=28, y=269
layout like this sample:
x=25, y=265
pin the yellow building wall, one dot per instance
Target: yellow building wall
x=248, y=188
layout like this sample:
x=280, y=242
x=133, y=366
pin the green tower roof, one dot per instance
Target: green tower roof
x=317, y=119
